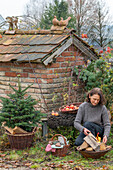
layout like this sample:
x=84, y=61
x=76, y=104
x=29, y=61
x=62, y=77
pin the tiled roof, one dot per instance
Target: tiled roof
x=32, y=45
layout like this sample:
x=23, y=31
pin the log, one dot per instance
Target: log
x=102, y=146
x=10, y=130
x=18, y=130
x=91, y=140
x=84, y=145
x=89, y=149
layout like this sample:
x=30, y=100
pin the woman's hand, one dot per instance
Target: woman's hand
x=86, y=131
x=104, y=139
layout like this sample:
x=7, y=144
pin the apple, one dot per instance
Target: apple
x=53, y=113
x=67, y=106
x=72, y=106
x=70, y=109
x=56, y=114
x=67, y=109
x=76, y=107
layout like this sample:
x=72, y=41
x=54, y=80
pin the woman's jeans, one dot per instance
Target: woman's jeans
x=94, y=128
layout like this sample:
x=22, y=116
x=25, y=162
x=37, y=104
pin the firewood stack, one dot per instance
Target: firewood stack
x=16, y=130
x=92, y=144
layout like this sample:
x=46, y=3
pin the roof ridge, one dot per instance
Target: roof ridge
x=35, y=32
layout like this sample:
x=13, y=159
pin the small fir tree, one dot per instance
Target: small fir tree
x=18, y=110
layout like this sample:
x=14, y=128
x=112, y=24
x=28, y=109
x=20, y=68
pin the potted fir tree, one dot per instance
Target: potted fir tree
x=18, y=111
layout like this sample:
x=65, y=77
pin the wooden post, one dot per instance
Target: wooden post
x=44, y=128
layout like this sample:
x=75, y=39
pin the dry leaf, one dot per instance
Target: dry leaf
x=28, y=164
x=70, y=161
x=2, y=155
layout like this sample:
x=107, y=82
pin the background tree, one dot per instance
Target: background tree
x=34, y=10
x=93, y=18
x=83, y=11
x=58, y=9
x=101, y=31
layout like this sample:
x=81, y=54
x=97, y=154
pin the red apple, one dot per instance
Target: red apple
x=72, y=106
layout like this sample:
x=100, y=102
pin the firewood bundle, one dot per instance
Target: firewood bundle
x=16, y=130
x=91, y=144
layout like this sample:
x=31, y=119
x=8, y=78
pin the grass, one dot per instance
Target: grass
x=36, y=158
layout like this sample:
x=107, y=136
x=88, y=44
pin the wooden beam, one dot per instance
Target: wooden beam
x=84, y=49
x=59, y=51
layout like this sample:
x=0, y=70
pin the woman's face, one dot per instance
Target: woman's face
x=94, y=99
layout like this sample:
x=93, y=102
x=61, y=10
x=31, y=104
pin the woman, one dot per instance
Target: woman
x=92, y=116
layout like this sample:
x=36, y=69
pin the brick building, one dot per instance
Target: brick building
x=44, y=58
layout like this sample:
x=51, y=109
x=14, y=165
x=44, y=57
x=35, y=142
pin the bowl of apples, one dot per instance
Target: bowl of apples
x=72, y=108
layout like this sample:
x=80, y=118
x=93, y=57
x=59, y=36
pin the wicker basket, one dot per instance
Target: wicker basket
x=61, y=152
x=20, y=141
x=93, y=154
x=70, y=111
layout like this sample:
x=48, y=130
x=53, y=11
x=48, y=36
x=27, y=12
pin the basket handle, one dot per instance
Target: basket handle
x=59, y=135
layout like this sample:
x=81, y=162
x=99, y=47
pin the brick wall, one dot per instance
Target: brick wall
x=48, y=81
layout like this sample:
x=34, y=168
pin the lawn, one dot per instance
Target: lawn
x=36, y=158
